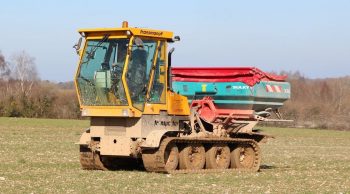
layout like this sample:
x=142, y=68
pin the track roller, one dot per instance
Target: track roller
x=218, y=157
x=192, y=156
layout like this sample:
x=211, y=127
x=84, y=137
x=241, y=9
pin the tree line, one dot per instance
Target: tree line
x=315, y=103
x=318, y=103
x=23, y=94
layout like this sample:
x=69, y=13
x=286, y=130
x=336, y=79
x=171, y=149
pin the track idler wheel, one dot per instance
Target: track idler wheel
x=171, y=157
x=246, y=156
x=163, y=159
x=192, y=156
x=218, y=157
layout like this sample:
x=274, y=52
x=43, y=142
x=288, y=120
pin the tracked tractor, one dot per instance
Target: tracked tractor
x=189, y=121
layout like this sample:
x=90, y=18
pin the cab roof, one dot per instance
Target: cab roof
x=129, y=31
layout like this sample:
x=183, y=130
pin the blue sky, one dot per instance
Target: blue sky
x=312, y=36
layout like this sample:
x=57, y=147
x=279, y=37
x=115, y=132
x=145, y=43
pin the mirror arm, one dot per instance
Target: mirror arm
x=78, y=45
x=170, y=85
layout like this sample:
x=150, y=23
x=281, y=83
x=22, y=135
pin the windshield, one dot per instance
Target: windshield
x=99, y=79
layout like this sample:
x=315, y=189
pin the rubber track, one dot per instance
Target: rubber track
x=90, y=160
x=154, y=159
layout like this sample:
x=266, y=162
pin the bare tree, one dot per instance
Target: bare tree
x=342, y=94
x=4, y=68
x=2, y=60
x=24, y=70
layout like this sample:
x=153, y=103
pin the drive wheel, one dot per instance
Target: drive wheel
x=192, y=157
x=218, y=157
x=245, y=157
x=171, y=157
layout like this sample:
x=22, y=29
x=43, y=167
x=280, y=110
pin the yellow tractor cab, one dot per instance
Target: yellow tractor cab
x=123, y=72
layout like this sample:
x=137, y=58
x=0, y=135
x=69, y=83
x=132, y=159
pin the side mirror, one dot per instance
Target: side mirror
x=78, y=45
x=176, y=38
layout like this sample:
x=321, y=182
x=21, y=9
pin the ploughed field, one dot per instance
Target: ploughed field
x=39, y=156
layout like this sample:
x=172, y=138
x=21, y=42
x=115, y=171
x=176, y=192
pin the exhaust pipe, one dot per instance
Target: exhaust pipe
x=170, y=83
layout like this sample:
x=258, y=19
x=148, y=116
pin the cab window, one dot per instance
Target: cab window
x=158, y=90
x=139, y=67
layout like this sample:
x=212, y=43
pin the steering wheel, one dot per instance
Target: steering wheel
x=117, y=69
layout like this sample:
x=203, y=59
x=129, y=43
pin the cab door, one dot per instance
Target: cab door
x=157, y=95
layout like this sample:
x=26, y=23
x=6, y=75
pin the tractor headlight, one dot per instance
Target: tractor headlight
x=84, y=112
x=125, y=112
